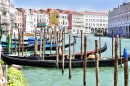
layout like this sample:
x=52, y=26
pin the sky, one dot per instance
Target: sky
x=76, y=5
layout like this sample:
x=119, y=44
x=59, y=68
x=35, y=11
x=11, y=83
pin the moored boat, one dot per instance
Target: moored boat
x=99, y=33
x=49, y=60
x=77, y=36
x=31, y=47
x=29, y=34
x=38, y=62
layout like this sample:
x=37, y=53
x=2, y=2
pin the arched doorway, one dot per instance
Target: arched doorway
x=92, y=30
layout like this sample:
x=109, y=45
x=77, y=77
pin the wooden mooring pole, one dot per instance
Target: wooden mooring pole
x=36, y=44
x=51, y=42
x=57, y=51
x=58, y=36
x=11, y=42
x=120, y=49
x=85, y=60
x=74, y=47
x=116, y=63
x=100, y=44
x=81, y=42
x=112, y=43
x=44, y=44
x=58, y=42
x=15, y=44
x=126, y=74
x=63, y=52
x=19, y=41
x=97, y=63
x=41, y=44
x=69, y=58
x=22, y=43
x=64, y=39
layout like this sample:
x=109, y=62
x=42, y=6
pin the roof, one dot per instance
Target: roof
x=95, y=13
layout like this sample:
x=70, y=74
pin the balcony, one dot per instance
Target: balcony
x=4, y=8
x=5, y=20
x=12, y=18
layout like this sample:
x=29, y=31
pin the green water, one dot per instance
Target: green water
x=53, y=77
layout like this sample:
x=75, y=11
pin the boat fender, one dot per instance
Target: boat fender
x=91, y=56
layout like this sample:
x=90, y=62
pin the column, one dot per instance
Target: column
x=127, y=31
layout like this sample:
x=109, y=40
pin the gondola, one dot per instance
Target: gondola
x=4, y=43
x=77, y=36
x=78, y=54
x=31, y=38
x=49, y=61
x=29, y=34
x=38, y=62
x=31, y=47
x=98, y=33
x=31, y=42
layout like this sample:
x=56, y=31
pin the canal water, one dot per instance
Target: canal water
x=53, y=76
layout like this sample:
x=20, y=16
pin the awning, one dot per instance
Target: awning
x=41, y=25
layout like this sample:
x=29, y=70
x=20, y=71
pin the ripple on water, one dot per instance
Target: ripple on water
x=53, y=77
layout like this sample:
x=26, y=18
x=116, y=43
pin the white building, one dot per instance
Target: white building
x=94, y=21
x=43, y=18
x=7, y=12
x=119, y=19
x=17, y=23
x=77, y=22
x=29, y=21
x=63, y=22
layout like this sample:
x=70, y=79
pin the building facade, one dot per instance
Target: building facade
x=94, y=21
x=7, y=14
x=77, y=22
x=119, y=20
x=42, y=18
x=63, y=22
x=70, y=22
x=18, y=19
x=28, y=19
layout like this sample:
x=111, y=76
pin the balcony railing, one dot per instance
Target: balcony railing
x=4, y=8
x=5, y=20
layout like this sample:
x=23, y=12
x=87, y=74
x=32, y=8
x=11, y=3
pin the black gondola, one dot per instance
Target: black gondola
x=49, y=61
x=31, y=47
x=38, y=62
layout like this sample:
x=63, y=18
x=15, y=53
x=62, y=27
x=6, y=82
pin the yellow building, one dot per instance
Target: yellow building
x=54, y=18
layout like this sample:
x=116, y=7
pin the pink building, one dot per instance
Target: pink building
x=70, y=21
x=19, y=18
